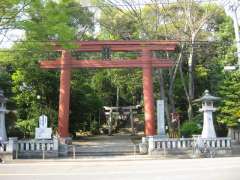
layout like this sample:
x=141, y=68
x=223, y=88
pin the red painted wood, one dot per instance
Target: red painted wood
x=64, y=96
x=161, y=63
x=125, y=48
x=120, y=42
x=124, y=42
x=95, y=46
x=149, y=111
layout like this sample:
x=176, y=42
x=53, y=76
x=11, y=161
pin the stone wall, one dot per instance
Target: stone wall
x=234, y=134
x=154, y=145
x=14, y=149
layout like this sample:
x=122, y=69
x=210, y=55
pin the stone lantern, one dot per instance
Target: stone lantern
x=3, y=100
x=207, y=109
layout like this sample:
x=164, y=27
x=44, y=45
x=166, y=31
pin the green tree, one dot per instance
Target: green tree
x=9, y=13
x=230, y=92
x=44, y=21
x=228, y=85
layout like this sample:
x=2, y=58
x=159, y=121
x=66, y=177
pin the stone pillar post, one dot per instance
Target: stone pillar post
x=110, y=122
x=151, y=144
x=231, y=133
x=55, y=144
x=208, y=127
x=148, y=93
x=132, y=121
x=3, y=100
x=64, y=96
x=12, y=144
x=3, y=134
x=160, y=119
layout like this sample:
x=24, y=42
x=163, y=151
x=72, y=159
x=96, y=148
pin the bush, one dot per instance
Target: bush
x=189, y=128
x=94, y=128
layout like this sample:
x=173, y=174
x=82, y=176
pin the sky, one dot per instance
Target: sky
x=15, y=35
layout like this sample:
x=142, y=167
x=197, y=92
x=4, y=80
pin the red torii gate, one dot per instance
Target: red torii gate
x=146, y=62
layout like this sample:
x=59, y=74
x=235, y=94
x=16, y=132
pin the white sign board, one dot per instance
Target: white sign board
x=43, y=132
x=43, y=121
x=160, y=118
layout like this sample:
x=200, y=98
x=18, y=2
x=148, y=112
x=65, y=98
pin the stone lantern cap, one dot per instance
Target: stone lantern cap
x=207, y=97
x=3, y=99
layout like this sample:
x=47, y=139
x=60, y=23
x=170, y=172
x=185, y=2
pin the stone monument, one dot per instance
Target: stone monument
x=43, y=132
x=160, y=119
x=207, y=109
x=3, y=100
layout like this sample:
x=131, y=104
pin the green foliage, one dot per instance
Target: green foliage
x=94, y=128
x=85, y=102
x=27, y=127
x=5, y=81
x=228, y=84
x=189, y=128
x=61, y=21
x=229, y=112
x=9, y=10
x=117, y=25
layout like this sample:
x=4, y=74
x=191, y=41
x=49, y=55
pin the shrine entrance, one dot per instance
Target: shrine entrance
x=123, y=113
x=146, y=61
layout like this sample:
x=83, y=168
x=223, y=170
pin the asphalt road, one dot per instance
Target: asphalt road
x=174, y=169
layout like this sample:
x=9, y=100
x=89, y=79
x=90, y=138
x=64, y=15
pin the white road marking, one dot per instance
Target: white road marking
x=117, y=162
x=122, y=172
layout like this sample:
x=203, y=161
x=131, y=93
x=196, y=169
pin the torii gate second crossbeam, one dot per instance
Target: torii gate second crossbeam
x=146, y=61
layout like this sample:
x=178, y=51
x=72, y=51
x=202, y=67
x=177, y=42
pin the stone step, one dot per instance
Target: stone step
x=102, y=153
x=103, y=149
x=118, y=144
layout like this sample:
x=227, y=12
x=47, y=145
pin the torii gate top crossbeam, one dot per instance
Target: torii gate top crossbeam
x=125, y=46
x=95, y=46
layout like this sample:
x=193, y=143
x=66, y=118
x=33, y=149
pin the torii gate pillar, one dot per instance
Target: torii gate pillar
x=64, y=95
x=148, y=94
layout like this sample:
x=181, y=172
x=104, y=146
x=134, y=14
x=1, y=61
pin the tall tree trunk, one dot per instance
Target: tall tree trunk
x=117, y=99
x=191, y=79
x=183, y=81
x=172, y=107
x=173, y=75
